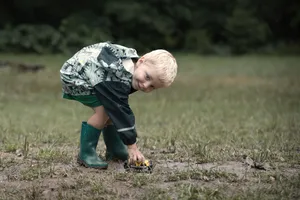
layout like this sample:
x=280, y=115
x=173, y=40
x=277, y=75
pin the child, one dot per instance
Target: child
x=102, y=76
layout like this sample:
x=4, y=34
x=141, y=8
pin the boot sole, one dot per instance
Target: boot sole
x=82, y=163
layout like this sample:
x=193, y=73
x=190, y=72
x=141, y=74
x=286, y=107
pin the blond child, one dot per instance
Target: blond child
x=102, y=76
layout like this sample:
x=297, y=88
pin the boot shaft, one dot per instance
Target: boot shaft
x=88, y=143
x=115, y=148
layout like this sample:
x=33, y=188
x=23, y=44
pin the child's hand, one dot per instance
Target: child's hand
x=135, y=154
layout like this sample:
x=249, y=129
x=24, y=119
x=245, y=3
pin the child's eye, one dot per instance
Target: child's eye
x=147, y=77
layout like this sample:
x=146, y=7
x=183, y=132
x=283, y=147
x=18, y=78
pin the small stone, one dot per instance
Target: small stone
x=267, y=166
x=272, y=178
x=19, y=152
x=249, y=161
x=281, y=159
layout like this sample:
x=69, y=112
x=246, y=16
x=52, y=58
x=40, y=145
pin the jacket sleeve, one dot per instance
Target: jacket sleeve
x=114, y=97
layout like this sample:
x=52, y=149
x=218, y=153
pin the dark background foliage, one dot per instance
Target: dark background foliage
x=202, y=26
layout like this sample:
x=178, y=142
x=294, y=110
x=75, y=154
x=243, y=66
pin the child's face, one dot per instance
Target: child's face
x=145, y=77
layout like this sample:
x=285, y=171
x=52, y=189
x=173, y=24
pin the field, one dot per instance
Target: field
x=229, y=128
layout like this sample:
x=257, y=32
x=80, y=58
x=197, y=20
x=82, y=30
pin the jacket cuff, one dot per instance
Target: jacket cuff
x=128, y=137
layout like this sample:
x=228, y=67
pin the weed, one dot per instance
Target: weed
x=25, y=147
x=33, y=193
x=122, y=176
x=156, y=193
x=10, y=147
x=53, y=155
x=192, y=192
x=204, y=175
x=140, y=180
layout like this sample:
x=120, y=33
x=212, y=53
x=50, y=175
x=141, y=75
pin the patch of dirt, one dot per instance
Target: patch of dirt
x=237, y=168
x=59, y=180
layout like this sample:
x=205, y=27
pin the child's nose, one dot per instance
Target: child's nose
x=146, y=85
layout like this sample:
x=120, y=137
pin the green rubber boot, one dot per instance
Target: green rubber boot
x=115, y=148
x=88, y=143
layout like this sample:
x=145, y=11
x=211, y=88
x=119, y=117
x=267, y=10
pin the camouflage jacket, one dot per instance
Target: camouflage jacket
x=98, y=70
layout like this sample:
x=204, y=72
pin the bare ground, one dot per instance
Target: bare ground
x=28, y=178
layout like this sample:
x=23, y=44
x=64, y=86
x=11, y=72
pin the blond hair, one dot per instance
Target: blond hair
x=165, y=64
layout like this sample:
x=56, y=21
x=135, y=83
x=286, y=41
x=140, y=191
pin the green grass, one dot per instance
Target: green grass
x=218, y=110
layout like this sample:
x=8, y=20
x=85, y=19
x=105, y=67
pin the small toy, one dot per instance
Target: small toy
x=145, y=166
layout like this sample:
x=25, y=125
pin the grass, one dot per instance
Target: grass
x=218, y=110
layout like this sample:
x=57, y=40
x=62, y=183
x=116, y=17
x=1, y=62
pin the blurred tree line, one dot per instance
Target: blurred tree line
x=203, y=26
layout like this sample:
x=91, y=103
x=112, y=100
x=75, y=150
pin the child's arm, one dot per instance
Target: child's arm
x=114, y=97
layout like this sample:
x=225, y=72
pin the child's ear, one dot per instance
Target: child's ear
x=141, y=59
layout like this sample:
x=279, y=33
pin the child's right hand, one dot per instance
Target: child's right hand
x=135, y=154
